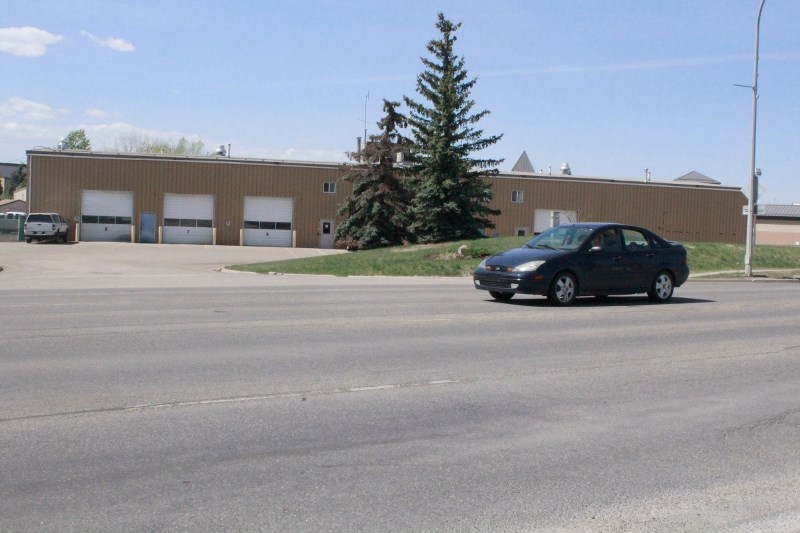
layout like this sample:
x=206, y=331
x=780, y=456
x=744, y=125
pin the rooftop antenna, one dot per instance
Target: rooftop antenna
x=365, y=117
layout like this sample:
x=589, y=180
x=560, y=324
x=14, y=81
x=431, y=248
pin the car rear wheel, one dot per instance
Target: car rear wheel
x=563, y=290
x=662, y=288
x=501, y=296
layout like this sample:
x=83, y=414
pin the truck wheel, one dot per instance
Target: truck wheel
x=28, y=240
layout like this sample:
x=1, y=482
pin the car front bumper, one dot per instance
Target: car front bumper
x=525, y=284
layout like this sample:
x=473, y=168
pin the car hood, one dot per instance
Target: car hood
x=517, y=256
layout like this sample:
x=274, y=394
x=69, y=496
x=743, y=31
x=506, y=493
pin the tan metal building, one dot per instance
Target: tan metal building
x=692, y=212
x=228, y=201
x=778, y=225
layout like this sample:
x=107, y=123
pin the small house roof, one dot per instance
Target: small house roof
x=523, y=164
x=696, y=177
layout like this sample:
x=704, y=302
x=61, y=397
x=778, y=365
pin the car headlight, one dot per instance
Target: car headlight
x=529, y=266
x=482, y=264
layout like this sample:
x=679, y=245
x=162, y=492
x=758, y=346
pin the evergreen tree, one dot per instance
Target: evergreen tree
x=377, y=213
x=77, y=140
x=15, y=181
x=451, y=196
x=18, y=178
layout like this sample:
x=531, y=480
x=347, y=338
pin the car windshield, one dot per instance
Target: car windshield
x=560, y=238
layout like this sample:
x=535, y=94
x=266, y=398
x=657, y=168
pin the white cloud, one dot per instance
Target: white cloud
x=303, y=154
x=18, y=109
x=94, y=112
x=281, y=153
x=26, y=42
x=119, y=45
x=19, y=130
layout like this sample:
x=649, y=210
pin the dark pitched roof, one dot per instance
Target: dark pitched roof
x=6, y=169
x=13, y=205
x=696, y=177
x=523, y=164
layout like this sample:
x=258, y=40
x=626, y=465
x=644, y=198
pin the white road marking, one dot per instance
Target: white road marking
x=374, y=387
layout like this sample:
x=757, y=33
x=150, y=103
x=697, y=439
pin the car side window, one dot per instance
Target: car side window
x=635, y=240
x=608, y=240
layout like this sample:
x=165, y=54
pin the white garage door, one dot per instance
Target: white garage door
x=268, y=221
x=106, y=215
x=188, y=219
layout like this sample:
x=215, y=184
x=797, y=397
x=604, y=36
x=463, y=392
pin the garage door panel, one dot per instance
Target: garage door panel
x=188, y=219
x=268, y=221
x=106, y=215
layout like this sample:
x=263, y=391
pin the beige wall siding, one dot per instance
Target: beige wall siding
x=59, y=179
x=778, y=232
x=682, y=212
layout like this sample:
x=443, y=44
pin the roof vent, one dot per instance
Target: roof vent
x=565, y=170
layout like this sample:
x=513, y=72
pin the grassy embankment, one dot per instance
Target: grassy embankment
x=443, y=260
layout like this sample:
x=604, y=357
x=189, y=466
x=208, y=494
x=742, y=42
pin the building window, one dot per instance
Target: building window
x=521, y=232
x=329, y=187
x=517, y=196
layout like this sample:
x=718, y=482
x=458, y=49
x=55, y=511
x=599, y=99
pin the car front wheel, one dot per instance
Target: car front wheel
x=563, y=290
x=501, y=296
x=662, y=288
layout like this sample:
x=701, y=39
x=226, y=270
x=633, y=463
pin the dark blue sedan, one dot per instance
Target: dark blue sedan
x=586, y=259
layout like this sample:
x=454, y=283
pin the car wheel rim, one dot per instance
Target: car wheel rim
x=565, y=289
x=663, y=286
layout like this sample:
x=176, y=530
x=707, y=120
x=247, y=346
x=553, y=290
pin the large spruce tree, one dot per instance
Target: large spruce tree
x=377, y=213
x=451, y=196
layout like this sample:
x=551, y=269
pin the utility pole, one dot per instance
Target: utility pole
x=751, y=201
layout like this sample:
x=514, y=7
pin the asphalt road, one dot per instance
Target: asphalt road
x=292, y=403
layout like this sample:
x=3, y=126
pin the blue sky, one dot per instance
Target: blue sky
x=610, y=86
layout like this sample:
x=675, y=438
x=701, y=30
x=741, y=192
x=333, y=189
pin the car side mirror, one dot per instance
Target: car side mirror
x=596, y=249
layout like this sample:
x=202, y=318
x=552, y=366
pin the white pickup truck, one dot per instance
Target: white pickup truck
x=45, y=227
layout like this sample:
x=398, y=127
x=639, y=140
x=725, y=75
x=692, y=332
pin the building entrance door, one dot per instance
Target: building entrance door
x=147, y=227
x=326, y=234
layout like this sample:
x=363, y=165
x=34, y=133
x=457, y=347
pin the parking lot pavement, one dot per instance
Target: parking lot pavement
x=129, y=265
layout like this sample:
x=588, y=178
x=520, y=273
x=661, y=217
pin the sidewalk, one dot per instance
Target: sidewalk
x=777, y=274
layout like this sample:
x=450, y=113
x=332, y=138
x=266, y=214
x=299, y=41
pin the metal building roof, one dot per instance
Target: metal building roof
x=779, y=211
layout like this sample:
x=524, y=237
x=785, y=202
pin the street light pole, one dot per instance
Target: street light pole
x=751, y=201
